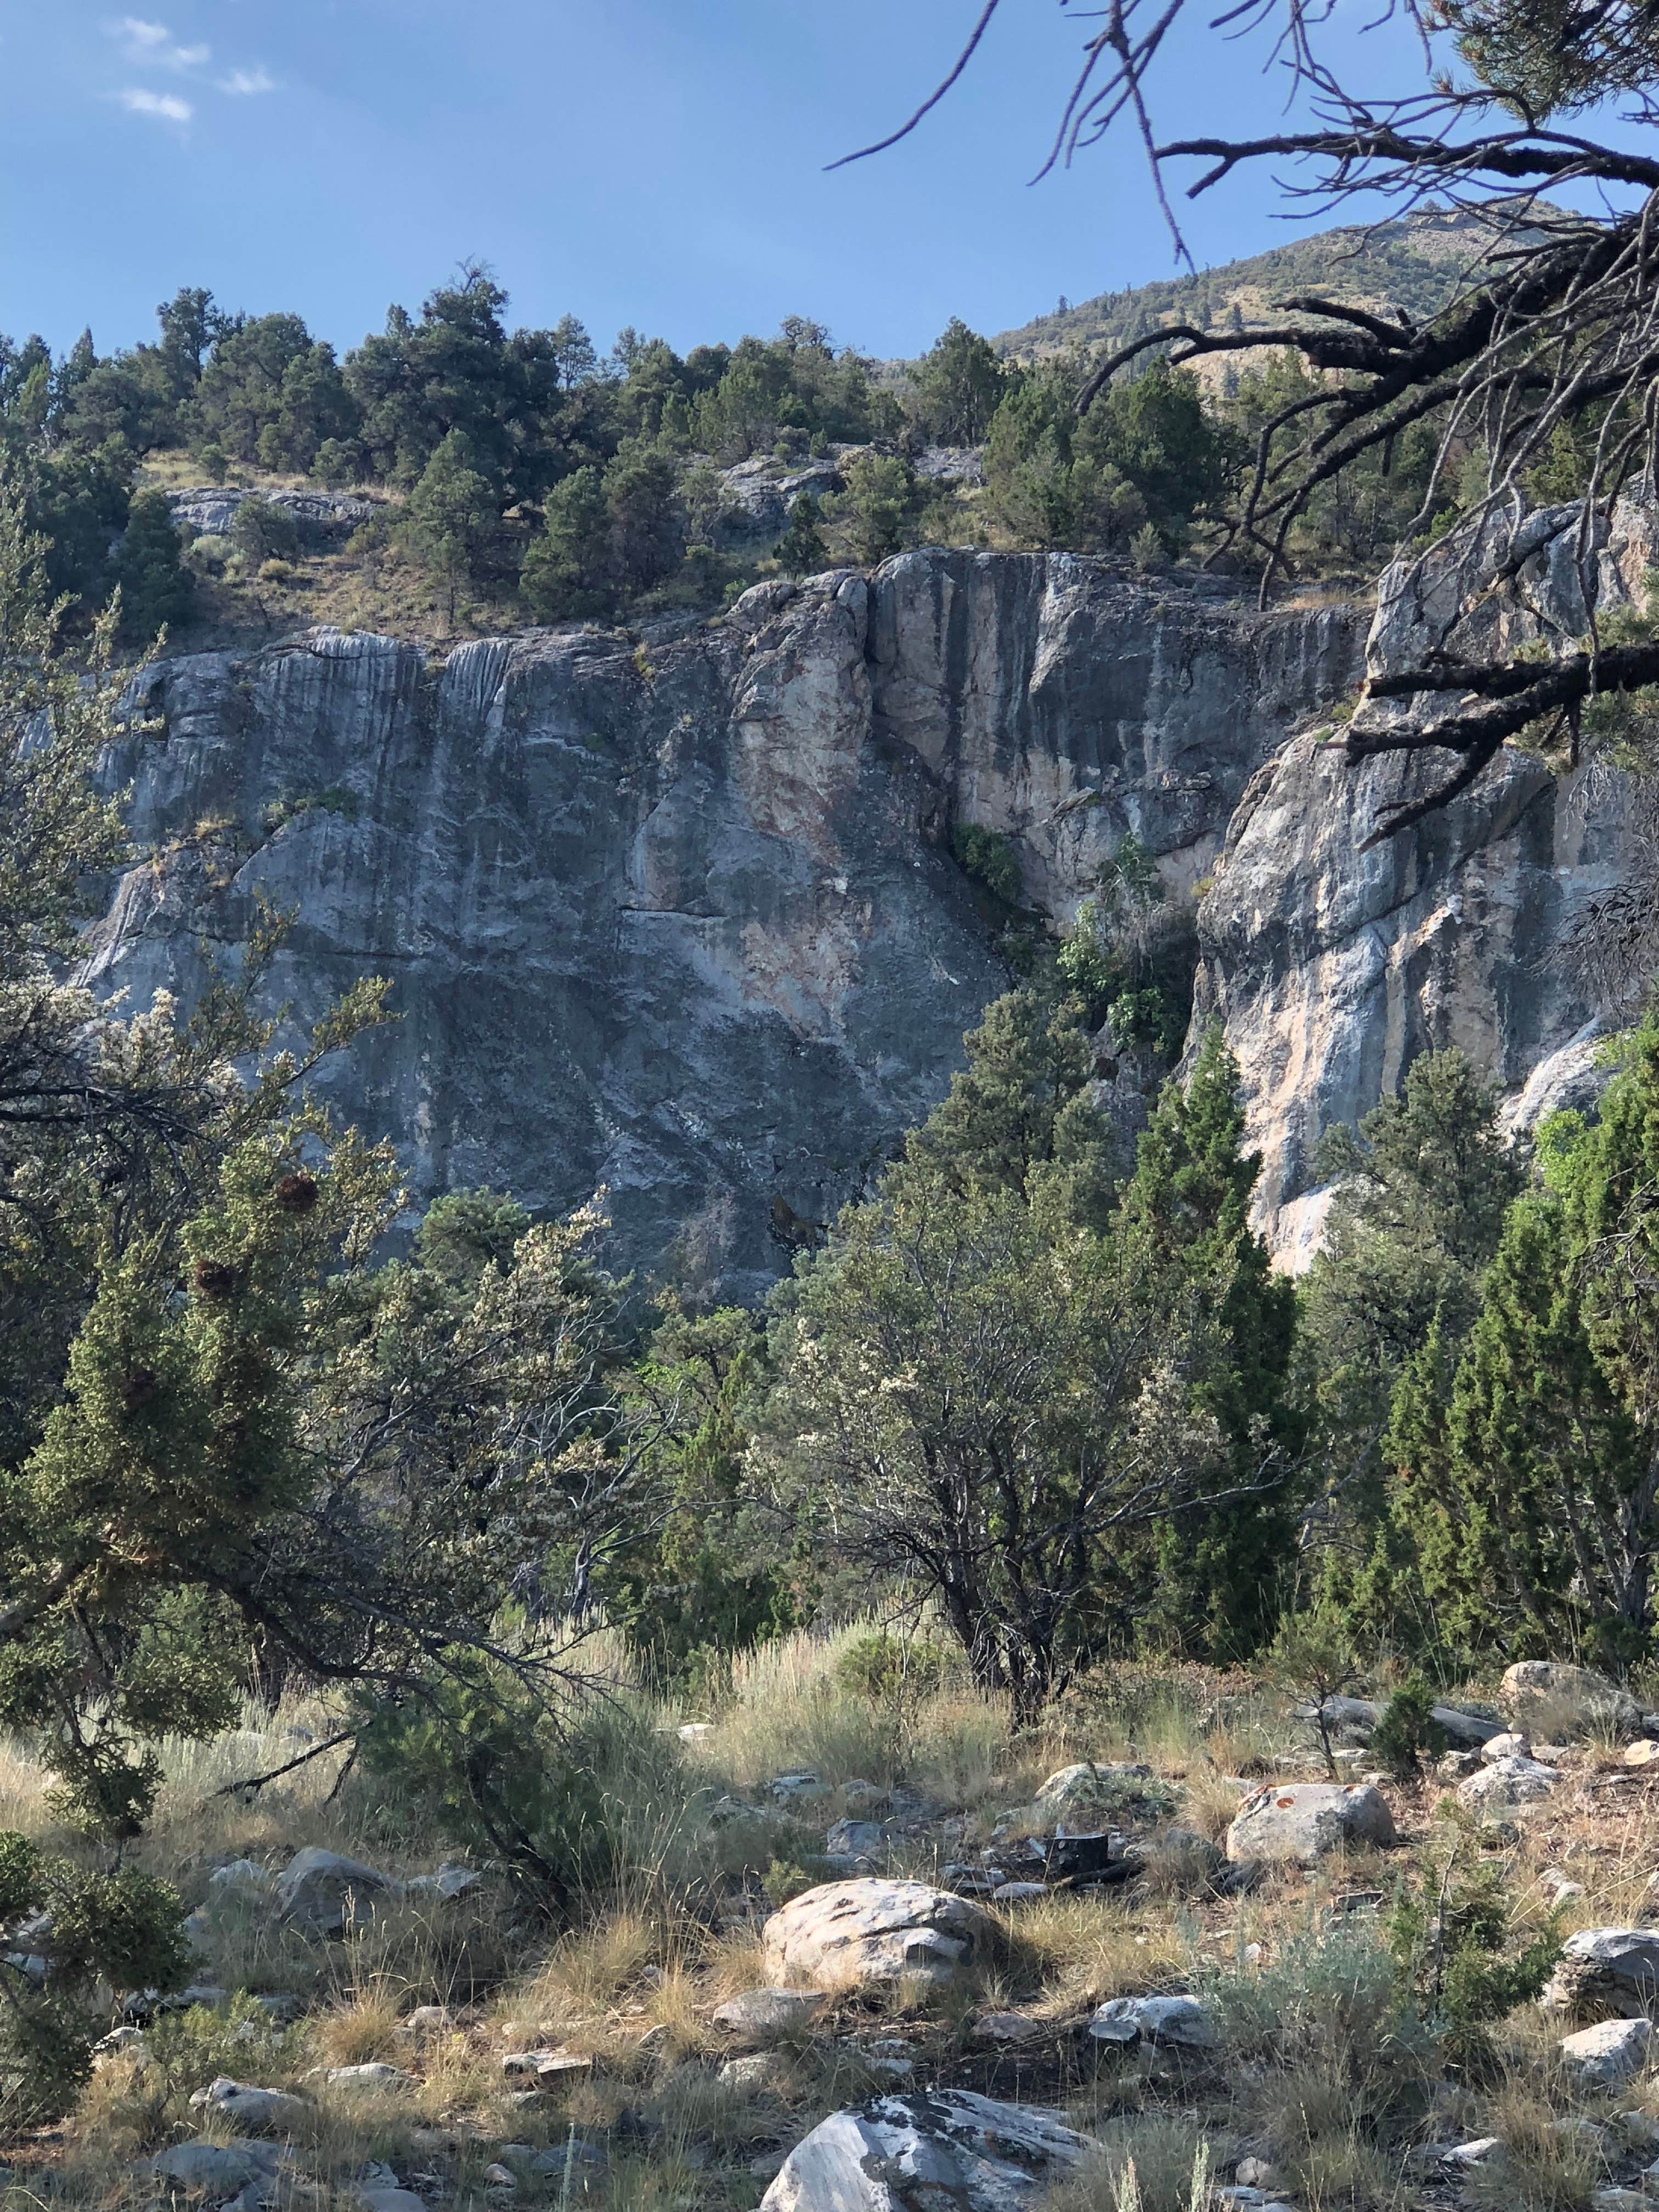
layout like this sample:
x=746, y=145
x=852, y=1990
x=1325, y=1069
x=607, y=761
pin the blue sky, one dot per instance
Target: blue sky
x=658, y=162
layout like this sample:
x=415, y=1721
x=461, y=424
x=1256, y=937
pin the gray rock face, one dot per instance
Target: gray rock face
x=208, y=510
x=680, y=918
x=1331, y=967
x=907, y=2153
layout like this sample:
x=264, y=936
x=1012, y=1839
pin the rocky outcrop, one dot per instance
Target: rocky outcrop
x=676, y=915
x=1330, y=964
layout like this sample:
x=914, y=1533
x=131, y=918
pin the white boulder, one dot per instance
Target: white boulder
x=947, y=2147
x=1305, y=1820
x=1506, y=1785
x=871, y=1931
x=1608, y=2053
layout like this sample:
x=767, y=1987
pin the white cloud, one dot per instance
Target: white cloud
x=244, y=84
x=151, y=46
x=165, y=106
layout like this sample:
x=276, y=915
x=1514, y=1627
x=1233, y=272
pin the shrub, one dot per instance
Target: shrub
x=885, y=1667
x=1406, y=1732
x=989, y=857
x=263, y=531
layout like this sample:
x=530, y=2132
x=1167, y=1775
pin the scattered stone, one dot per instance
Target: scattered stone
x=318, y=1890
x=1507, y=1745
x=1457, y=1766
x=1644, y=1752
x=1506, y=1786
x=1484, y=2150
x=1636, y=2129
x=862, y=1796
x=949, y=2145
x=545, y=2065
x=576, y=2151
x=1548, y=1697
x=450, y=1881
x=1259, y=2173
x=1559, y=1886
x=970, y=1881
x=429, y=2019
x=802, y=1787
x=375, y=2075
x=240, y=1874
x=896, y=2070
x=1606, y=1972
x=873, y=1931
x=1005, y=2029
x=766, y=2016
x=1608, y=2053
x=261, y=2111
x=755, y=2069
x=1178, y=2023
x=1018, y=1893
x=1618, y=2200
x=1305, y=1820
x=856, y=1839
x=500, y=2177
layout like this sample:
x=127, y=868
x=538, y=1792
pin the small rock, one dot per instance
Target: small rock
x=1559, y=1886
x=1644, y=1752
x=1174, y=2023
x=1258, y=2173
x=1089, y=1783
x=1608, y=2053
x=389, y=2200
x=856, y=1839
x=1484, y=2150
x=1636, y=2129
x=375, y=2075
x=1457, y=1766
x=695, y=1731
x=1018, y=1893
x=429, y=2019
x=450, y=1881
x=801, y=1787
x=1004, y=2029
x=766, y=2016
x=755, y=2069
x=1507, y=1746
x=240, y=1874
x=1618, y=2200
x=218, y=2169
x=499, y=2177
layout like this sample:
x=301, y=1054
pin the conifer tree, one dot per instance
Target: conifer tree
x=155, y=587
x=801, y=550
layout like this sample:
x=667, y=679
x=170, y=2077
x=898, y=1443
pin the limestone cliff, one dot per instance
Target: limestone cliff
x=676, y=914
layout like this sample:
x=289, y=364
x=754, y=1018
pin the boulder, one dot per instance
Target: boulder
x=1547, y=1700
x=873, y=1931
x=1608, y=2053
x=946, y=2146
x=318, y=1889
x=1174, y=2023
x=1606, y=1973
x=218, y=2171
x=856, y=1839
x=765, y=2015
x=1505, y=1786
x=1089, y=1784
x=261, y=2111
x=1305, y=1820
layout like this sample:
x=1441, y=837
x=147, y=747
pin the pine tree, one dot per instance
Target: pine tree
x=1186, y=1213
x=801, y=550
x=155, y=585
x=566, y=571
x=450, y=515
